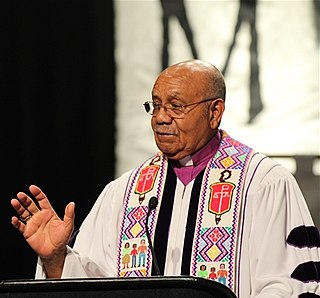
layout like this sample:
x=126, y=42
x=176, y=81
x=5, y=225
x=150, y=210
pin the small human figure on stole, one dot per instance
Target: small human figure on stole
x=126, y=255
x=142, y=249
x=222, y=274
x=203, y=272
x=213, y=274
x=133, y=254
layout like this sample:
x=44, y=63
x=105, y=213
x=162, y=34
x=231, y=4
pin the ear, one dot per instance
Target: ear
x=216, y=112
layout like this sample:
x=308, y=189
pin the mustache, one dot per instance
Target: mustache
x=164, y=130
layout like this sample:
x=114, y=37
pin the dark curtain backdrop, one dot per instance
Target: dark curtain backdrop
x=57, y=110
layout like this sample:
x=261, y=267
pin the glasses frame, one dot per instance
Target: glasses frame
x=169, y=108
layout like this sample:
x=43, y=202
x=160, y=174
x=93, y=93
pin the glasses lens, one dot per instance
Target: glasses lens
x=172, y=111
x=148, y=107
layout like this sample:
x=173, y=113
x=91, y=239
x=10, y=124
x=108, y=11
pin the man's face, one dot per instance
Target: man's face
x=178, y=138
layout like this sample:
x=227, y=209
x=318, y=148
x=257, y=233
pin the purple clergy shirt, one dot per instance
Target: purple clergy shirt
x=190, y=166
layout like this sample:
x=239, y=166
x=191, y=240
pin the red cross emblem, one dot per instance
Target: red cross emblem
x=220, y=198
x=146, y=180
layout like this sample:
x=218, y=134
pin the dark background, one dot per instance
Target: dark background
x=57, y=95
x=57, y=113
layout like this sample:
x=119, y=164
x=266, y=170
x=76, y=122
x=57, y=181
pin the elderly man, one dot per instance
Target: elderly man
x=220, y=204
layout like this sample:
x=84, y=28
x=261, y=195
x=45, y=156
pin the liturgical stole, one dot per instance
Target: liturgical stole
x=217, y=231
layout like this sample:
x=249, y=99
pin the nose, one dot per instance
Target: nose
x=162, y=116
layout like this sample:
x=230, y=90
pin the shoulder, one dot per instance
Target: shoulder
x=123, y=178
x=115, y=189
x=270, y=187
x=264, y=171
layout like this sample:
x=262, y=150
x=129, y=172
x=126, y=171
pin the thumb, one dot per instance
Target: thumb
x=69, y=215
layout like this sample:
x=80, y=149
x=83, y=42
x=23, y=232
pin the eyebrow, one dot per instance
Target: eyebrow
x=171, y=96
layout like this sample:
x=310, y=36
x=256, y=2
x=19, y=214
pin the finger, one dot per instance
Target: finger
x=69, y=216
x=24, y=205
x=25, y=215
x=18, y=224
x=40, y=196
x=15, y=204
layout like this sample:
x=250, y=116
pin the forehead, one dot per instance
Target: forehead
x=178, y=84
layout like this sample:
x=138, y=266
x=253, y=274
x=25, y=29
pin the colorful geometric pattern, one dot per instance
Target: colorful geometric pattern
x=135, y=214
x=230, y=157
x=134, y=223
x=134, y=273
x=214, y=244
x=218, y=243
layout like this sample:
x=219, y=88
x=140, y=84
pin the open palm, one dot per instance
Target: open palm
x=44, y=231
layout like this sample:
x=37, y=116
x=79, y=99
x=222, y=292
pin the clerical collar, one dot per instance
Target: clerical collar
x=202, y=155
x=190, y=166
x=186, y=161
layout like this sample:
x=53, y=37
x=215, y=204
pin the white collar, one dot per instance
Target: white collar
x=186, y=161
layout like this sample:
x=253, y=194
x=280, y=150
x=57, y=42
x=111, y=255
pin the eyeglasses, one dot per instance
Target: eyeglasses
x=174, y=110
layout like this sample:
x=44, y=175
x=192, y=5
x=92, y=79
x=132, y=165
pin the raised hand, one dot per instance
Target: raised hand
x=42, y=228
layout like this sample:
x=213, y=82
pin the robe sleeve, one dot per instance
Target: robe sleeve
x=94, y=253
x=277, y=209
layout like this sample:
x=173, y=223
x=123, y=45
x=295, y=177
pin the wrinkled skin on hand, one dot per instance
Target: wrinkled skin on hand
x=44, y=231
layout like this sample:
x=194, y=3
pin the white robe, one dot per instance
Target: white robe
x=275, y=206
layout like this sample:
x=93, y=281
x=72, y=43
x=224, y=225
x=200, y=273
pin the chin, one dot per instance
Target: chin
x=167, y=149
x=167, y=153
x=171, y=155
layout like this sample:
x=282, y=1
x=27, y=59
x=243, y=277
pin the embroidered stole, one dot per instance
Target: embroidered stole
x=216, y=237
